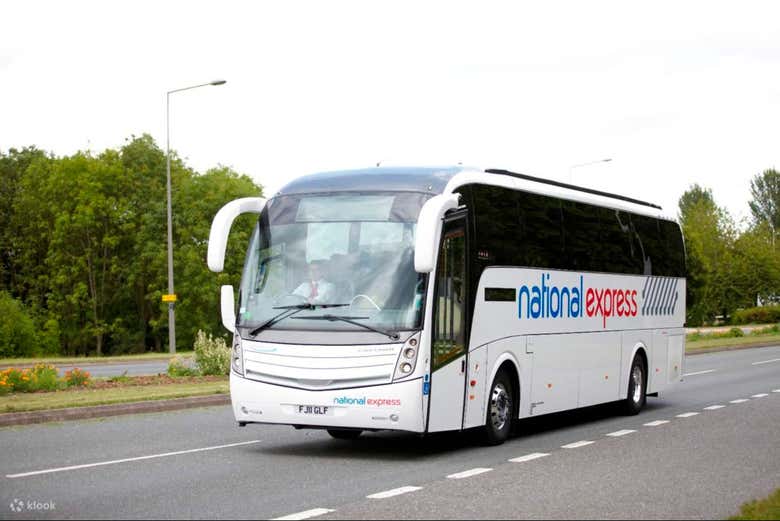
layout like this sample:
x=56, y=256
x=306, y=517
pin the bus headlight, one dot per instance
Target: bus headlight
x=237, y=356
x=407, y=359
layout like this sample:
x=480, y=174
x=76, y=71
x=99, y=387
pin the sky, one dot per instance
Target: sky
x=674, y=93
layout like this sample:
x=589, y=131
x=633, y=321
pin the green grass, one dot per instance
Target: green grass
x=64, y=360
x=768, y=508
x=704, y=343
x=20, y=402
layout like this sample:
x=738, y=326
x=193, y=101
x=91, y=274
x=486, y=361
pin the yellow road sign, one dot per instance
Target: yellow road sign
x=169, y=298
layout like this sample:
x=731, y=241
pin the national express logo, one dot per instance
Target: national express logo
x=372, y=402
x=548, y=300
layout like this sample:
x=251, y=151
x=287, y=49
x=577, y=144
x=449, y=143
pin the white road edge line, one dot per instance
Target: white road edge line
x=393, y=492
x=714, y=407
x=127, y=460
x=306, y=514
x=760, y=395
x=468, y=473
x=766, y=361
x=617, y=434
x=528, y=457
x=656, y=423
x=740, y=400
x=776, y=391
x=687, y=414
x=700, y=372
x=576, y=444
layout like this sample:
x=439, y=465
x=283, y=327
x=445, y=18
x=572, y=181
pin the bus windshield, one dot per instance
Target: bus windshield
x=330, y=257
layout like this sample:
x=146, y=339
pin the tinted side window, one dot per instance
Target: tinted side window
x=541, y=231
x=675, y=249
x=582, y=234
x=497, y=238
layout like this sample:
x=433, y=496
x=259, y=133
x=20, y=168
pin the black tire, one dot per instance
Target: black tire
x=500, y=411
x=344, y=434
x=637, y=388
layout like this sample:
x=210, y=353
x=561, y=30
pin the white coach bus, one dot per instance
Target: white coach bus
x=437, y=299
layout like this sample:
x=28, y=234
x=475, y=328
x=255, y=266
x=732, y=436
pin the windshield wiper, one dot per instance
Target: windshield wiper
x=290, y=311
x=351, y=320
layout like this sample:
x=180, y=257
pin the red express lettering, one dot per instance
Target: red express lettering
x=610, y=302
x=380, y=402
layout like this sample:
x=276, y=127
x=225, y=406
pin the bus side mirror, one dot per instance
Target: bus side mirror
x=220, y=228
x=228, y=306
x=429, y=223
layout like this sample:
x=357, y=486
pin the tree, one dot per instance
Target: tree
x=765, y=206
x=709, y=236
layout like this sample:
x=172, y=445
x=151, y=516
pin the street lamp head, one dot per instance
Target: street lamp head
x=218, y=82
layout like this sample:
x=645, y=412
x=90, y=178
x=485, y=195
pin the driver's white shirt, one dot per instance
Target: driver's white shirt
x=324, y=291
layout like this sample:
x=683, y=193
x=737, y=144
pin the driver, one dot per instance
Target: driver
x=316, y=290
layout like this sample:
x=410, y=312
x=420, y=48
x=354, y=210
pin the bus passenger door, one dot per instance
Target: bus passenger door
x=448, y=372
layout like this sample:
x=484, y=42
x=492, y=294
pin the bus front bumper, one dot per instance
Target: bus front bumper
x=397, y=406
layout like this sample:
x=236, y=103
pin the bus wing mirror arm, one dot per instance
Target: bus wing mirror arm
x=220, y=228
x=429, y=226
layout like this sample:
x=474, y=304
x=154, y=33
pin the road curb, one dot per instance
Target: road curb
x=705, y=350
x=101, y=411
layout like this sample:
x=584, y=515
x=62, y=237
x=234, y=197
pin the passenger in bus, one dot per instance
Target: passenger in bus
x=316, y=290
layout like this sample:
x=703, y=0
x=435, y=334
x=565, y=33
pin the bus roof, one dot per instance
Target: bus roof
x=446, y=179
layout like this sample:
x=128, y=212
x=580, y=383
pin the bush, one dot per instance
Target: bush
x=212, y=355
x=45, y=378
x=77, y=378
x=735, y=332
x=178, y=367
x=17, y=330
x=759, y=315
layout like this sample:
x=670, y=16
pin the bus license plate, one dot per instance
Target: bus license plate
x=316, y=410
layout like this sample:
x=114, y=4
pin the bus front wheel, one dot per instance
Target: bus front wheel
x=500, y=411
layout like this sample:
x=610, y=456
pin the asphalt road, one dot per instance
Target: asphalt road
x=139, y=368
x=198, y=464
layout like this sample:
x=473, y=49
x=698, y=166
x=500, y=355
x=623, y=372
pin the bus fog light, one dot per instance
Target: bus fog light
x=406, y=368
x=409, y=353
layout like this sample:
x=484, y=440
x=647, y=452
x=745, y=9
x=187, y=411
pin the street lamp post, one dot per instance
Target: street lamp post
x=171, y=299
x=572, y=167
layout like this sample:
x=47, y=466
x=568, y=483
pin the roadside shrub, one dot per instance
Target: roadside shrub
x=77, y=378
x=178, y=367
x=736, y=332
x=212, y=355
x=17, y=330
x=17, y=380
x=45, y=378
x=759, y=315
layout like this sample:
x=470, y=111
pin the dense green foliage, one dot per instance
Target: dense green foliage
x=757, y=315
x=17, y=331
x=83, y=247
x=768, y=508
x=731, y=267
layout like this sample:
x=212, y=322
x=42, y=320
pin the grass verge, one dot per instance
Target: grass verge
x=23, y=402
x=64, y=360
x=705, y=343
x=768, y=508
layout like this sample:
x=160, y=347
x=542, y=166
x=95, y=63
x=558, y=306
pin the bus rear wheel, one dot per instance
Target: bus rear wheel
x=500, y=411
x=637, y=388
x=344, y=434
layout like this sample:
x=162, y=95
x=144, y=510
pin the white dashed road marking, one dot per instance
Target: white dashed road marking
x=314, y=512
x=741, y=400
x=656, y=423
x=617, y=434
x=687, y=414
x=393, y=492
x=528, y=457
x=700, y=372
x=714, y=407
x=762, y=395
x=766, y=361
x=127, y=460
x=468, y=473
x=576, y=444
